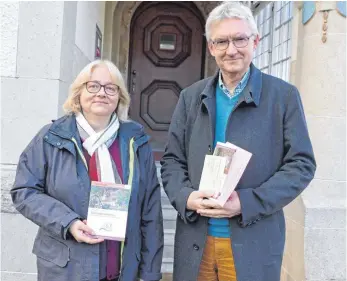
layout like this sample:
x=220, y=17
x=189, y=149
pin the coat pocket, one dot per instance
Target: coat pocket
x=52, y=250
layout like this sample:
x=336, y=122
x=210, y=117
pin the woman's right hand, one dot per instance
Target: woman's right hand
x=83, y=233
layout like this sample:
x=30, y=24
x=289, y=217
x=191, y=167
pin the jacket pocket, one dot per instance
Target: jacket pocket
x=52, y=250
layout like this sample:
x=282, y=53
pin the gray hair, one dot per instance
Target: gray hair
x=228, y=10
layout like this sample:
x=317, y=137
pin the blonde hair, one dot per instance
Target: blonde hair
x=72, y=103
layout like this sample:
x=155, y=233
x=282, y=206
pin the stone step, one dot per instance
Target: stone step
x=169, y=237
x=168, y=252
x=167, y=267
x=169, y=214
x=169, y=221
x=169, y=224
x=164, y=198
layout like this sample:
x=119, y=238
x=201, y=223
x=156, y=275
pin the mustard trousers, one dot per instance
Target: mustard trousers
x=217, y=262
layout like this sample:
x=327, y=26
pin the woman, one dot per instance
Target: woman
x=93, y=142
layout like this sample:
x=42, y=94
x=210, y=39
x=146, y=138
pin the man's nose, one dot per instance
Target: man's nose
x=231, y=50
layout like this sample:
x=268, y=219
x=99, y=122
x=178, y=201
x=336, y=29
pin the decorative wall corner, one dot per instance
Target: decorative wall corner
x=308, y=10
x=341, y=7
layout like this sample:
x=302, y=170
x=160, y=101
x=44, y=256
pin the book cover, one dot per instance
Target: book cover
x=108, y=210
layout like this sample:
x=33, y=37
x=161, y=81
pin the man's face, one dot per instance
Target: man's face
x=229, y=58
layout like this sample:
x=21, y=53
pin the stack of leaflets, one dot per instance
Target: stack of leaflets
x=108, y=210
x=223, y=170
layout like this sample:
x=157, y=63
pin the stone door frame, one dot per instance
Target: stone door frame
x=118, y=17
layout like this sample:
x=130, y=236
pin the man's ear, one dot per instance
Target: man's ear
x=211, y=48
x=256, y=42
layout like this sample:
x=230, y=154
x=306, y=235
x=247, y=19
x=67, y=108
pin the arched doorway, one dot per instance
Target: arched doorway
x=166, y=54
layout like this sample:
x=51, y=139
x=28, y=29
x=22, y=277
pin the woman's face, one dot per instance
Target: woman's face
x=99, y=96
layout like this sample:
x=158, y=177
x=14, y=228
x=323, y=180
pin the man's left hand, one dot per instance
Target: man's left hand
x=231, y=208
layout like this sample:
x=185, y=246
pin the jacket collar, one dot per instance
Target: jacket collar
x=254, y=86
x=66, y=127
x=252, y=90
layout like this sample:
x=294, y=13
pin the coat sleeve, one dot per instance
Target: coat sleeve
x=297, y=170
x=29, y=194
x=174, y=170
x=151, y=220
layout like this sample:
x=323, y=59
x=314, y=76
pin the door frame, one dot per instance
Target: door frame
x=141, y=9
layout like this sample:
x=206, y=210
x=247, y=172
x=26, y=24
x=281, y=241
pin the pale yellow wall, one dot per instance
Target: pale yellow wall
x=315, y=245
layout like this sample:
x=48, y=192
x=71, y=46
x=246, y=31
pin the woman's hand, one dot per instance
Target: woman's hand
x=83, y=233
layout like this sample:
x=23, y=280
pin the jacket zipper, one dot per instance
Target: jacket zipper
x=130, y=181
x=80, y=153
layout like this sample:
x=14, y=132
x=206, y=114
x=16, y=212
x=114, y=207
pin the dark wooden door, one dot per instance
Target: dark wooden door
x=166, y=55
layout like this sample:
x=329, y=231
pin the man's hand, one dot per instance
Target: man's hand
x=83, y=233
x=195, y=199
x=211, y=209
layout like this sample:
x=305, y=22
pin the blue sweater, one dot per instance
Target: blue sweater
x=225, y=104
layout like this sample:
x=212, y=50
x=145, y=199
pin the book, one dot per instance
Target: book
x=108, y=210
x=222, y=176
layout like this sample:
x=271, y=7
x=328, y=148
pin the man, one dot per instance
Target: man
x=244, y=240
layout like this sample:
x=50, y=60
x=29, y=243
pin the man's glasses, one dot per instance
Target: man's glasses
x=239, y=42
x=94, y=87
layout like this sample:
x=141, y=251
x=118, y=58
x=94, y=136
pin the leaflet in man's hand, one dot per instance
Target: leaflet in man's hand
x=213, y=175
x=223, y=170
x=108, y=210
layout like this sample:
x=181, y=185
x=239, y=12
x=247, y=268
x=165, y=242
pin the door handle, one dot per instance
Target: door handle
x=133, y=81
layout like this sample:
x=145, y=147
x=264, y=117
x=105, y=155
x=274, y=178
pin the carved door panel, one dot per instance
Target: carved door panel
x=166, y=55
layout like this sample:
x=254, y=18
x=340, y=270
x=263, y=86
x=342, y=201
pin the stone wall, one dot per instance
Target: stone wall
x=43, y=47
x=316, y=221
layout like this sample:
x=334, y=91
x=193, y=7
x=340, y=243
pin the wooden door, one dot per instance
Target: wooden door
x=166, y=50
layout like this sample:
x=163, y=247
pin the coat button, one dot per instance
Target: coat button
x=196, y=247
x=58, y=143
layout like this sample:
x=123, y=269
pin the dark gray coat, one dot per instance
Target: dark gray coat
x=269, y=122
x=52, y=188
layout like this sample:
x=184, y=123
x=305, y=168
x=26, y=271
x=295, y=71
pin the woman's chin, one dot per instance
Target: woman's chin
x=101, y=112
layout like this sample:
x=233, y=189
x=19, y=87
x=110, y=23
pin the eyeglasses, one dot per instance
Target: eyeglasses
x=239, y=42
x=94, y=87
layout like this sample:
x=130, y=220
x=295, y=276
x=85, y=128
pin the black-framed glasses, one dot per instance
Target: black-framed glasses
x=94, y=87
x=238, y=42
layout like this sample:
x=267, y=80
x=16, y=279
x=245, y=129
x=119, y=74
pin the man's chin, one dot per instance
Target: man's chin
x=233, y=68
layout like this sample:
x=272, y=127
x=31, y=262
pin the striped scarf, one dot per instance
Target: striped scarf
x=98, y=144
